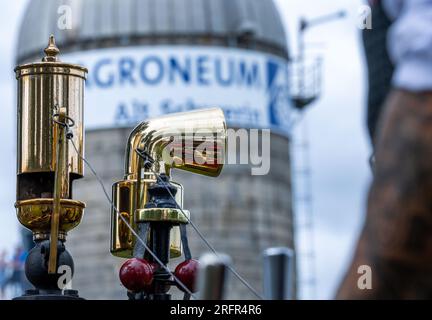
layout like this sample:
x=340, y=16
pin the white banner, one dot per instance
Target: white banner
x=130, y=84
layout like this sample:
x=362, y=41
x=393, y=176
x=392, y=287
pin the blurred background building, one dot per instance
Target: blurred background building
x=151, y=57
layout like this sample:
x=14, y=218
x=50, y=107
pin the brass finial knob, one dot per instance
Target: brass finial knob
x=51, y=51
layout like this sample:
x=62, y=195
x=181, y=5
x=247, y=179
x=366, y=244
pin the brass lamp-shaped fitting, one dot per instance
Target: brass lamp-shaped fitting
x=50, y=101
x=191, y=141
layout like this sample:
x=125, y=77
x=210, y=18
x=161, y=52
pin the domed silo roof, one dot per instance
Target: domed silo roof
x=252, y=24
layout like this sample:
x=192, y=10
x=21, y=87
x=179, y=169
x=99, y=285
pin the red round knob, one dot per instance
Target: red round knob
x=154, y=266
x=136, y=274
x=186, y=272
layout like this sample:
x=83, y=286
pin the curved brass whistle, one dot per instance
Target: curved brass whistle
x=192, y=141
x=175, y=141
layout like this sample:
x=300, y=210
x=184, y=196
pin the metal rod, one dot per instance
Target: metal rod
x=212, y=276
x=139, y=186
x=61, y=186
x=324, y=19
x=278, y=273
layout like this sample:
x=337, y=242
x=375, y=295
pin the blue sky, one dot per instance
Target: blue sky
x=339, y=147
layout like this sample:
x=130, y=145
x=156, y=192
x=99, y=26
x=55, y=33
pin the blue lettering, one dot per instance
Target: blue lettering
x=145, y=73
x=249, y=76
x=228, y=80
x=202, y=70
x=140, y=110
x=97, y=74
x=121, y=115
x=168, y=106
x=182, y=71
x=126, y=67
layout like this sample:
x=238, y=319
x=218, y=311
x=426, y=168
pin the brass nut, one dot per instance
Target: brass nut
x=175, y=216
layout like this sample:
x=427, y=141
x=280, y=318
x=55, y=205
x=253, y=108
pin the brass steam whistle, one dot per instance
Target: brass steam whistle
x=50, y=120
x=192, y=141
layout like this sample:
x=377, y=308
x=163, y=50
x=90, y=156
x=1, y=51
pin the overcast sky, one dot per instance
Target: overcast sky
x=336, y=129
x=339, y=147
x=10, y=16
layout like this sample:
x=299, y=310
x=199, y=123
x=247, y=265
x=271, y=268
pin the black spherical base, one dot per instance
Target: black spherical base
x=36, y=266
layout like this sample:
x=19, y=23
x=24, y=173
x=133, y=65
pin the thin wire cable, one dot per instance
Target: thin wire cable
x=238, y=276
x=129, y=226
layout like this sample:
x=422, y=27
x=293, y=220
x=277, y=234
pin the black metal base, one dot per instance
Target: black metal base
x=47, y=285
x=36, y=266
x=34, y=294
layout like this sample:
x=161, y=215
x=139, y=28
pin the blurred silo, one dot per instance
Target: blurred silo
x=149, y=57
